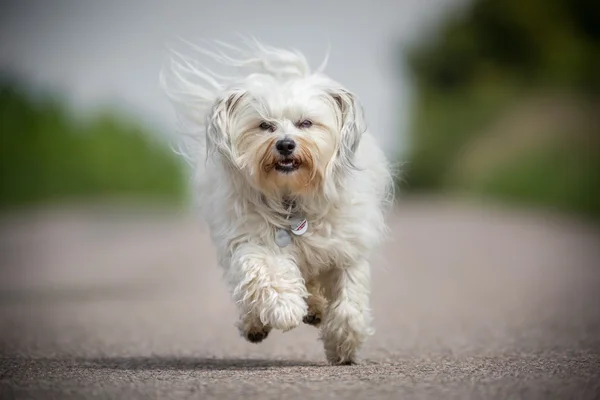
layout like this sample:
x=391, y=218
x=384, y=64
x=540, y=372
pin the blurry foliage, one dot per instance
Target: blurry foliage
x=46, y=156
x=477, y=68
x=554, y=176
x=541, y=42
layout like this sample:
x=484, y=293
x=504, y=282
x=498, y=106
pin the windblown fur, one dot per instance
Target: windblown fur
x=337, y=178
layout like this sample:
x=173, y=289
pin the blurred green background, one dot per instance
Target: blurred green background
x=507, y=105
x=49, y=156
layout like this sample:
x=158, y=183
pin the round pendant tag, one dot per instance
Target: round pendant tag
x=300, y=227
x=282, y=238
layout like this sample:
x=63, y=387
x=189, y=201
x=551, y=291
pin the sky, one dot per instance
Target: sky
x=110, y=52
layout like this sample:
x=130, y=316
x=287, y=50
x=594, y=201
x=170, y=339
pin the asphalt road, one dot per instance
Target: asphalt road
x=469, y=302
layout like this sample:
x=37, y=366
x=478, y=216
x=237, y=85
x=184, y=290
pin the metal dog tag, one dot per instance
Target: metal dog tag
x=300, y=227
x=282, y=238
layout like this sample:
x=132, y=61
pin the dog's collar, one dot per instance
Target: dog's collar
x=298, y=224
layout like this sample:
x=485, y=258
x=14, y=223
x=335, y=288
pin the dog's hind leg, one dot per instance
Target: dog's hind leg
x=348, y=317
x=316, y=303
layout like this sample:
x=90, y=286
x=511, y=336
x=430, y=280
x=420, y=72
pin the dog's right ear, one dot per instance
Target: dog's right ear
x=219, y=123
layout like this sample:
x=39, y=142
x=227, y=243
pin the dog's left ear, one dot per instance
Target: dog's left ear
x=352, y=121
x=218, y=132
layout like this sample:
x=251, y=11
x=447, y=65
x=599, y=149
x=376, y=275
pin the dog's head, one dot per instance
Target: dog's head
x=286, y=136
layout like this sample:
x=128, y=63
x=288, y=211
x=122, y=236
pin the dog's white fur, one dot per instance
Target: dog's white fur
x=342, y=186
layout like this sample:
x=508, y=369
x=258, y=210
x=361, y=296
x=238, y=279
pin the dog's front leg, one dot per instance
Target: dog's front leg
x=348, y=318
x=268, y=289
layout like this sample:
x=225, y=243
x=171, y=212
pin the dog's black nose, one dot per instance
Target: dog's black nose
x=285, y=147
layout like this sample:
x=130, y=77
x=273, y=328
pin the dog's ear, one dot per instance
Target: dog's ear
x=352, y=123
x=219, y=123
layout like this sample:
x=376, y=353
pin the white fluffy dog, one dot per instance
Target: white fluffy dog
x=293, y=188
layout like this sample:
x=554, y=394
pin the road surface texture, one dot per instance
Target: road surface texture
x=469, y=302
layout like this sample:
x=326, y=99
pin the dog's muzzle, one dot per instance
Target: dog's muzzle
x=285, y=149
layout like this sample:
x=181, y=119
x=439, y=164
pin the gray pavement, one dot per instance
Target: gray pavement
x=469, y=302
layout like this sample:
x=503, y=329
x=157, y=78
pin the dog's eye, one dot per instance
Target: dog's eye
x=265, y=126
x=305, y=124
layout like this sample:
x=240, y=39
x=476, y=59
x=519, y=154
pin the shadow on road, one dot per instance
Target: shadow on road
x=190, y=363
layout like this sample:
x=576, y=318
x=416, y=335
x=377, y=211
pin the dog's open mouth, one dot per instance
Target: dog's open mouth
x=287, y=165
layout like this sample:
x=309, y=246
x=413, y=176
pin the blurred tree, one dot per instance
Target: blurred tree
x=547, y=42
x=485, y=64
x=47, y=156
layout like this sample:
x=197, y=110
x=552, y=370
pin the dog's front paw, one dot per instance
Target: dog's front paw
x=312, y=319
x=284, y=311
x=316, y=308
x=252, y=329
x=257, y=336
x=316, y=303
